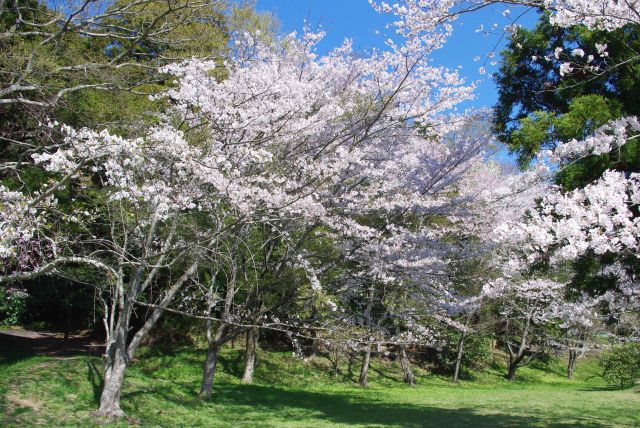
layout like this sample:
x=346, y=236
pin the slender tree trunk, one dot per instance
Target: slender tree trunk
x=313, y=351
x=115, y=367
x=314, y=343
x=209, y=370
x=364, y=371
x=116, y=359
x=573, y=355
x=456, y=373
x=511, y=371
x=515, y=359
x=514, y=363
x=250, y=355
x=215, y=342
x=409, y=378
x=119, y=354
x=336, y=356
x=211, y=362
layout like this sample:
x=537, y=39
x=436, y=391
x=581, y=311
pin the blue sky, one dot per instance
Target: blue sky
x=357, y=20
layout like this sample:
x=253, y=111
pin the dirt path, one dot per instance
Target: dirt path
x=50, y=342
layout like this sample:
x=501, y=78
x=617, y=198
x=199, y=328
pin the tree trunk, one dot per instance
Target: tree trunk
x=456, y=373
x=250, y=355
x=409, y=378
x=116, y=357
x=209, y=370
x=511, y=371
x=336, y=356
x=115, y=367
x=215, y=342
x=516, y=358
x=573, y=355
x=119, y=354
x=313, y=353
x=364, y=371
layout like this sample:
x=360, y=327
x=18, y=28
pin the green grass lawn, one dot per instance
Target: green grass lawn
x=161, y=391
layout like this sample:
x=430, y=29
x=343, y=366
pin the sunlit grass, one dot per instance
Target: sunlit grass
x=161, y=391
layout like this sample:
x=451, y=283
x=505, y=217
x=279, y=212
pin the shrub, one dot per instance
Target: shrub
x=621, y=365
x=477, y=352
x=12, y=306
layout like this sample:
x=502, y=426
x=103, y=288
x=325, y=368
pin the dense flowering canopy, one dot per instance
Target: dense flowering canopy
x=288, y=136
x=417, y=16
x=599, y=14
x=291, y=137
x=599, y=218
x=362, y=149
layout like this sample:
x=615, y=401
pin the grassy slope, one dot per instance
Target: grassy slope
x=161, y=391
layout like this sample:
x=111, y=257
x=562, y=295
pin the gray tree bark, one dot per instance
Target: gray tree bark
x=119, y=353
x=511, y=371
x=211, y=362
x=209, y=371
x=113, y=380
x=115, y=367
x=456, y=373
x=364, y=370
x=250, y=355
x=515, y=358
x=159, y=310
x=409, y=378
x=573, y=356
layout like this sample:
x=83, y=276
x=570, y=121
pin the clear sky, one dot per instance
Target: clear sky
x=357, y=20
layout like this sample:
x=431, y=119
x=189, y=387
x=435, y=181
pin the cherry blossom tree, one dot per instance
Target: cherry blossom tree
x=576, y=320
x=598, y=218
x=277, y=148
x=288, y=139
x=142, y=222
x=410, y=170
x=524, y=309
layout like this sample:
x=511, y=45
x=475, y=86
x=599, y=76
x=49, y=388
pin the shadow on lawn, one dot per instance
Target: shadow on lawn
x=603, y=388
x=94, y=376
x=355, y=409
x=262, y=404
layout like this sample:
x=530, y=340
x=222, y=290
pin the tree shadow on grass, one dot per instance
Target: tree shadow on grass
x=95, y=379
x=354, y=362
x=348, y=408
x=602, y=388
x=232, y=363
x=268, y=372
x=276, y=405
x=178, y=394
x=150, y=360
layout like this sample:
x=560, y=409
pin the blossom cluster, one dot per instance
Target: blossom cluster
x=599, y=218
x=599, y=14
x=21, y=219
x=605, y=139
